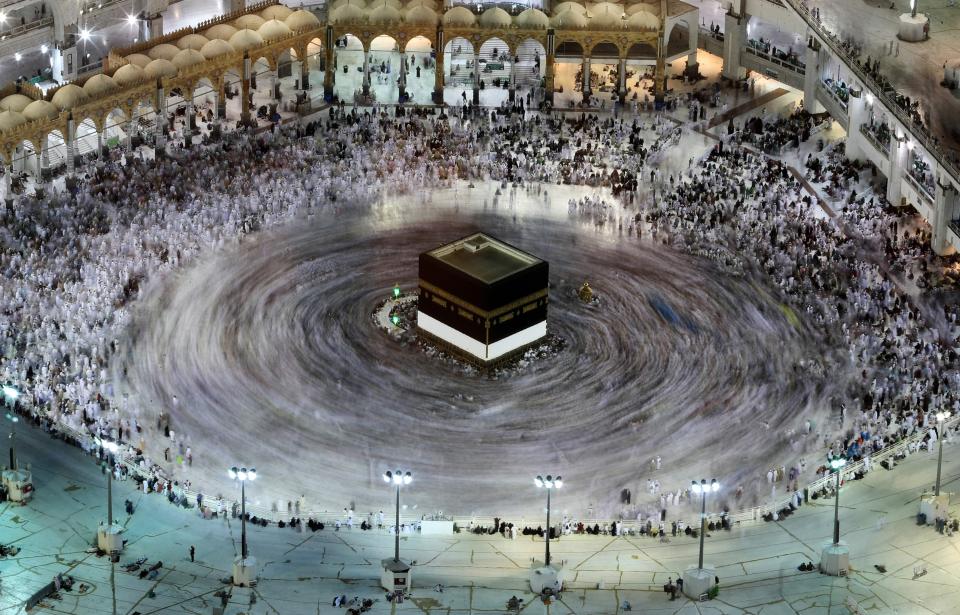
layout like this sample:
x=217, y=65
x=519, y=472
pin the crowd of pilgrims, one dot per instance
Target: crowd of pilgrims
x=73, y=262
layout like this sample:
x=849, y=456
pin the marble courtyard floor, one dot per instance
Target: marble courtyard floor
x=301, y=572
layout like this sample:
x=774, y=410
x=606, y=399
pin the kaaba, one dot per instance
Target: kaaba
x=482, y=298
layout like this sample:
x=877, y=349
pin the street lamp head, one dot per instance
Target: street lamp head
x=836, y=461
x=232, y=472
x=388, y=476
x=548, y=481
x=538, y=481
x=252, y=474
x=407, y=478
x=10, y=393
x=714, y=485
x=695, y=487
x=131, y=19
x=558, y=482
x=242, y=474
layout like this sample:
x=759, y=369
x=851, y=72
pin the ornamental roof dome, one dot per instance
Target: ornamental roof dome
x=249, y=22
x=495, y=17
x=40, y=110
x=216, y=47
x=160, y=68
x=163, y=51
x=188, y=57
x=128, y=74
x=192, y=41
x=69, y=96
x=277, y=11
x=10, y=120
x=222, y=31
x=245, y=39
x=301, y=20
x=99, y=84
x=15, y=102
x=274, y=30
x=459, y=16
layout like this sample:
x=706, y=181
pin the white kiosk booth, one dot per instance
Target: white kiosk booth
x=396, y=575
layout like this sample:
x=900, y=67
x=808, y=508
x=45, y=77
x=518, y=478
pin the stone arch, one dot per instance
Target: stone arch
x=495, y=44
x=420, y=44
x=642, y=51
x=532, y=61
x=606, y=50
x=569, y=48
x=678, y=38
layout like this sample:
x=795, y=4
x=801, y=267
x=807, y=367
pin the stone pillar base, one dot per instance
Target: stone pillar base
x=437, y=97
x=835, y=559
x=913, y=29
x=549, y=578
x=245, y=572
x=110, y=539
x=699, y=581
x=476, y=96
x=511, y=95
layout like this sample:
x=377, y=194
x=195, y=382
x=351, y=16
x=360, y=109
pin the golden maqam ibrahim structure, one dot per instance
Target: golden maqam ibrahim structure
x=140, y=86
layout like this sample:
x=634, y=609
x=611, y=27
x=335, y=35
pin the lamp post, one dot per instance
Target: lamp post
x=703, y=489
x=549, y=483
x=913, y=8
x=243, y=475
x=10, y=395
x=836, y=463
x=941, y=417
x=397, y=478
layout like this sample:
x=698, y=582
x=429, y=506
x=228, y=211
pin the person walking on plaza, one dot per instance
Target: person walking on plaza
x=192, y=552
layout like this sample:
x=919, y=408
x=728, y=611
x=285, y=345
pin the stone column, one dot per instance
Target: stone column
x=438, y=69
x=69, y=143
x=130, y=128
x=693, y=67
x=550, y=69
x=366, y=72
x=476, y=77
x=586, y=80
x=512, y=86
x=811, y=77
x=245, y=91
x=305, y=74
x=946, y=207
x=188, y=129
x=734, y=38
x=44, y=156
x=402, y=78
x=899, y=159
x=154, y=26
x=161, y=140
x=222, y=98
x=857, y=114
x=622, y=80
x=328, y=69
x=8, y=182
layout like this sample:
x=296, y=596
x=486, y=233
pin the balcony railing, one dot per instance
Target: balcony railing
x=876, y=140
x=797, y=68
x=921, y=189
x=27, y=27
x=829, y=89
x=917, y=130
